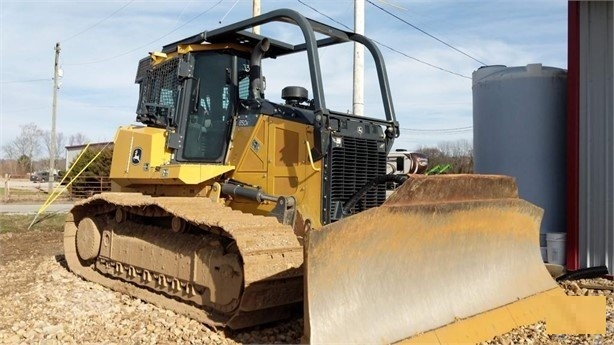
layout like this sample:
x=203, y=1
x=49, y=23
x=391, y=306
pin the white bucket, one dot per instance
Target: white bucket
x=555, y=244
x=544, y=254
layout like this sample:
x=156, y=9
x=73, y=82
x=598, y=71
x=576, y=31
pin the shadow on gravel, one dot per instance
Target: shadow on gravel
x=60, y=259
x=280, y=332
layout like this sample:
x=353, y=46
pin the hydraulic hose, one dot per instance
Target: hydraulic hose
x=584, y=273
x=400, y=179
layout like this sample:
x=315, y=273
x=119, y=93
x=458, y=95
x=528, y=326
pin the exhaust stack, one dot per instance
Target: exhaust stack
x=256, y=84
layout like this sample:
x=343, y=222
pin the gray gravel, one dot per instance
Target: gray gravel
x=51, y=305
x=43, y=303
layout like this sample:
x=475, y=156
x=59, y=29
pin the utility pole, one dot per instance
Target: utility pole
x=256, y=12
x=358, y=104
x=56, y=86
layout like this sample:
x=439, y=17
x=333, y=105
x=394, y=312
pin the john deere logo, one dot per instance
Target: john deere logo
x=136, y=155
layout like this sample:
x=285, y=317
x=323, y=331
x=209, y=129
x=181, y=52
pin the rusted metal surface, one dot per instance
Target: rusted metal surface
x=442, y=248
x=227, y=269
x=449, y=188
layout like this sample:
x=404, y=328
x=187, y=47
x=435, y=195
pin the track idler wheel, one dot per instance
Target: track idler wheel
x=88, y=239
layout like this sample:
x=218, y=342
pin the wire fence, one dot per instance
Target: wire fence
x=86, y=186
x=19, y=188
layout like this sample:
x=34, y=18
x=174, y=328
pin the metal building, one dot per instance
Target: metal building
x=590, y=135
x=73, y=151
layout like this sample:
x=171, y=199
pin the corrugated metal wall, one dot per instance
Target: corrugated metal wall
x=596, y=134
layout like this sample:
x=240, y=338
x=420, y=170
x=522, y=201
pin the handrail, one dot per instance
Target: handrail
x=313, y=166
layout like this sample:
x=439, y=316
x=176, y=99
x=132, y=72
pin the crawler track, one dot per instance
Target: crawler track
x=220, y=266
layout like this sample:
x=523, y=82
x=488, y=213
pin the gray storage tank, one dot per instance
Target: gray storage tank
x=519, y=123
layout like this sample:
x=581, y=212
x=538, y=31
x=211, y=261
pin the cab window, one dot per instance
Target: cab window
x=210, y=118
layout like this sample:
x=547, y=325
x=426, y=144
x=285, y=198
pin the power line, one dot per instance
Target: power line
x=386, y=46
x=98, y=22
x=228, y=12
x=331, y=18
x=426, y=33
x=148, y=43
x=423, y=62
x=182, y=12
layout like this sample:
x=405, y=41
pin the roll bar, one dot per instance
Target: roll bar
x=236, y=33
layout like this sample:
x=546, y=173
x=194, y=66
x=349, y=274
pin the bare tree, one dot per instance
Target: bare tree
x=458, y=148
x=459, y=154
x=8, y=166
x=27, y=143
x=77, y=139
x=9, y=151
x=59, y=141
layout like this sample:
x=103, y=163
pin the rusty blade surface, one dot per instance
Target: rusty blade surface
x=440, y=249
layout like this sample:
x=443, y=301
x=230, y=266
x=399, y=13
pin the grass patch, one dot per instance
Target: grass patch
x=19, y=194
x=20, y=222
x=22, y=192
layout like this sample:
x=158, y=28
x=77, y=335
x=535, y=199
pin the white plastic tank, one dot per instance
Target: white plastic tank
x=519, y=124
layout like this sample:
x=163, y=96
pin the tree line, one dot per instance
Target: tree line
x=458, y=154
x=31, y=150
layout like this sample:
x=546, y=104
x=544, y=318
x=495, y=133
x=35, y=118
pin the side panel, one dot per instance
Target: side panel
x=137, y=149
x=140, y=158
x=248, y=152
x=271, y=154
x=290, y=171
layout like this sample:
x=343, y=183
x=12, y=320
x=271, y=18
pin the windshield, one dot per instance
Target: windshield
x=210, y=115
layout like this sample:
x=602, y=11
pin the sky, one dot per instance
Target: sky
x=436, y=46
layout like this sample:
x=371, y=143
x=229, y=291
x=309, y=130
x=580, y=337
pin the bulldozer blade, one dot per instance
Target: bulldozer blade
x=439, y=250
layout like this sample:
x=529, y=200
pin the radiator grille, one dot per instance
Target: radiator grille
x=354, y=164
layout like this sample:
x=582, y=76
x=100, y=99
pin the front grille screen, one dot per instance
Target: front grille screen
x=355, y=163
x=161, y=84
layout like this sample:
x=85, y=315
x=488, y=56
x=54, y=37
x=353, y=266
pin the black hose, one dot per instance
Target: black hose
x=400, y=179
x=584, y=273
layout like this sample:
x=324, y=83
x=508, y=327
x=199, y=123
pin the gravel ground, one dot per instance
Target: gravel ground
x=63, y=308
x=43, y=303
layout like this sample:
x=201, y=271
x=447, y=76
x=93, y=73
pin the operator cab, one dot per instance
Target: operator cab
x=196, y=91
x=193, y=96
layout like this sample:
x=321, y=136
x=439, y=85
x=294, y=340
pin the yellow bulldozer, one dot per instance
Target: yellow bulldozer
x=236, y=210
